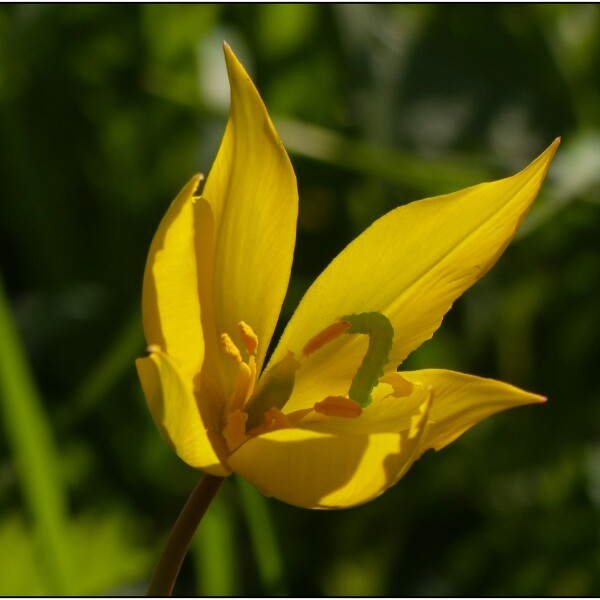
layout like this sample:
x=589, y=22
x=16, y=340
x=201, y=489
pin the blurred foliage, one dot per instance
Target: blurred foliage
x=106, y=110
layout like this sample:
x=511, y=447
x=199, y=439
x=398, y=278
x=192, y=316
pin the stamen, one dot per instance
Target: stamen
x=274, y=419
x=296, y=416
x=242, y=385
x=249, y=338
x=252, y=383
x=402, y=387
x=324, y=337
x=339, y=406
x=278, y=417
x=230, y=348
x=268, y=424
x=234, y=431
x=274, y=389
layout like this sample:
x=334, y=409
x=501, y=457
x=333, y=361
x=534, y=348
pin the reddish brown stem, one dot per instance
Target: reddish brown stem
x=167, y=569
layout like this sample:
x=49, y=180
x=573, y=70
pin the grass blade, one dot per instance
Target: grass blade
x=213, y=552
x=32, y=446
x=264, y=540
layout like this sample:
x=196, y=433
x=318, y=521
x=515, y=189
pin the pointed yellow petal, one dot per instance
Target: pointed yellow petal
x=170, y=304
x=253, y=196
x=318, y=470
x=461, y=401
x=410, y=265
x=177, y=416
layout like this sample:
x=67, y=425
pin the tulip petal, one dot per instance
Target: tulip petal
x=410, y=265
x=252, y=193
x=170, y=302
x=311, y=469
x=178, y=417
x=385, y=414
x=461, y=401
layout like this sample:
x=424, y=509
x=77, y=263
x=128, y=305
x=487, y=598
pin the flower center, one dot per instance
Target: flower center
x=256, y=408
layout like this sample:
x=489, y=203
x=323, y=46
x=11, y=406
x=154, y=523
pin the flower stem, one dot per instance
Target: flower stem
x=167, y=568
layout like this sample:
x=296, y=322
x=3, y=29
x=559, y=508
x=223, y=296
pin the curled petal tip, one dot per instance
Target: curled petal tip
x=197, y=179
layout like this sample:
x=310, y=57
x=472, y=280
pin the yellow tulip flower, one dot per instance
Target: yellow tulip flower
x=329, y=422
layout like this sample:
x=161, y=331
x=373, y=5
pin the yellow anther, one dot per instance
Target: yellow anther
x=249, y=338
x=328, y=334
x=234, y=431
x=339, y=406
x=230, y=348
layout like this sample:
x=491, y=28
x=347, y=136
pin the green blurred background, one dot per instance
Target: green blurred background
x=106, y=111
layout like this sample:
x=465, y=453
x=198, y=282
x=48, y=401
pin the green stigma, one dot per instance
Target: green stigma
x=381, y=336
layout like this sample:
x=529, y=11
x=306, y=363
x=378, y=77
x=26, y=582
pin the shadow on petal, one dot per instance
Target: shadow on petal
x=315, y=470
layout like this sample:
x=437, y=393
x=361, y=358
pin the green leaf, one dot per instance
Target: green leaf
x=213, y=552
x=34, y=452
x=264, y=539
